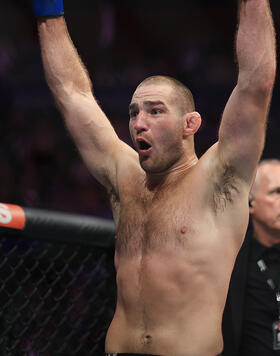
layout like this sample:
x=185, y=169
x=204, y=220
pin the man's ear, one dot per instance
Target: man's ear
x=192, y=123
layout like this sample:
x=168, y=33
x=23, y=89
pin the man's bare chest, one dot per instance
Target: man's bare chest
x=155, y=221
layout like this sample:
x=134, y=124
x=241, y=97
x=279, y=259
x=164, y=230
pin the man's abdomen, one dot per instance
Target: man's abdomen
x=166, y=307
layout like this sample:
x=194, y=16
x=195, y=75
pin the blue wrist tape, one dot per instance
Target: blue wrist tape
x=48, y=7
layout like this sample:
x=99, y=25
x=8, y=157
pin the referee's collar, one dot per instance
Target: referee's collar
x=258, y=250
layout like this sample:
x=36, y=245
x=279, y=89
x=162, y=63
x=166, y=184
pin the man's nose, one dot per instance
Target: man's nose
x=140, y=123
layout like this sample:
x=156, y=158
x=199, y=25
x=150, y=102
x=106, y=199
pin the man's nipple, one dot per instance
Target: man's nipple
x=183, y=230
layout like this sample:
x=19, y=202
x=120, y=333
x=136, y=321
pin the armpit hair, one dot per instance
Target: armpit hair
x=113, y=196
x=225, y=188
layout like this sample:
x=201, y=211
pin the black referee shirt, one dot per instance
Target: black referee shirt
x=260, y=305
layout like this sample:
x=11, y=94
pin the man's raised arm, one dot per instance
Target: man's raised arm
x=71, y=87
x=242, y=130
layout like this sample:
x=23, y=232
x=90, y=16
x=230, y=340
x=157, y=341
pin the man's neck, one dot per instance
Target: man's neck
x=266, y=237
x=157, y=180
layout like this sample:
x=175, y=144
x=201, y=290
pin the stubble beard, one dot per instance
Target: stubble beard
x=164, y=163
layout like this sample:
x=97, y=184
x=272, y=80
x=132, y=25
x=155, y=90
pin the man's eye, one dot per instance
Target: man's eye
x=133, y=113
x=156, y=111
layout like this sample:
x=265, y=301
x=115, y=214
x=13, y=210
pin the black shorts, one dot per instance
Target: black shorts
x=135, y=355
x=130, y=355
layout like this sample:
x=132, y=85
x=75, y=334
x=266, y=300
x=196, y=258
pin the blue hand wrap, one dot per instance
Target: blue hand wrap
x=48, y=7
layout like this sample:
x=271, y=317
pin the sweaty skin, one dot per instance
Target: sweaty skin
x=173, y=261
x=180, y=221
x=175, y=251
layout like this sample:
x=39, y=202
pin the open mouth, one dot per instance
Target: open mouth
x=143, y=145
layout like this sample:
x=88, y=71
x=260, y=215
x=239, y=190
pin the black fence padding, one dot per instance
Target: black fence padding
x=70, y=228
x=55, y=298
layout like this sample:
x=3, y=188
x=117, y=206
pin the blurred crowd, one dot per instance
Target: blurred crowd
x=120, y=43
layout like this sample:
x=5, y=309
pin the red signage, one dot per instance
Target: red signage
x=12, y=216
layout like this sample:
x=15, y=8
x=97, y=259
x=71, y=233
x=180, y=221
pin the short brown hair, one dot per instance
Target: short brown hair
x=182, y=91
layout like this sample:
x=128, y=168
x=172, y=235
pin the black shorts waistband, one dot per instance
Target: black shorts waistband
x=130, y=354
x=122, y=354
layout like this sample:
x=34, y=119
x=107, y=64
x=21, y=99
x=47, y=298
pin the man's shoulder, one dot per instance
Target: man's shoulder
x=130, y=175
x=209, y=159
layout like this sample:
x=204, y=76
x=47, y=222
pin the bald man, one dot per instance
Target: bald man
x=180, y=220
x=252, y=313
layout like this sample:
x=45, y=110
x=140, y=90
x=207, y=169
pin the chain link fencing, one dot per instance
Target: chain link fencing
x=55, y=298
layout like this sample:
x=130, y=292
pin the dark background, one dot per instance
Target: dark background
x=121, y=42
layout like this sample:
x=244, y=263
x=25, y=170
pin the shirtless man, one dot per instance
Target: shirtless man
x=180, y=221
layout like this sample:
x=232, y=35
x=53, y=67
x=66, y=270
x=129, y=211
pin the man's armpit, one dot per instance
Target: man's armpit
x=225, y=188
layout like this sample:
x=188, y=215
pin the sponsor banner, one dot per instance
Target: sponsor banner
x=12, y=216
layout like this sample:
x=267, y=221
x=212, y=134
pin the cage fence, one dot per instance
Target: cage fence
x=56, y=298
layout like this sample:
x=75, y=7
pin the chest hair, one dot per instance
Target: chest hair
x=152, y=222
